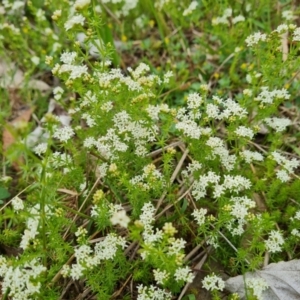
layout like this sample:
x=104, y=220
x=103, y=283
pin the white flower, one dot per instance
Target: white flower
x=297, y=215
x=152, y=293
x=176, y=246
x=253, y=39
x=35, y=60
x=41, y=148
x=189, y=128
x=238, y=19
x=227, y=12
x=82, y=253
x=279, y=124
x=167, y=76
x=80, y=4
x=244, y=132
x=22, y=282
x=249, y=156
x=268, y=97
x=68, y=57
x=274, y=242
x=282, y=28
x=190, y=9
x=283, y=175
x=258, y=285
x=65, y=271
x=64, y=134
x=220, y=20
x=184, y=274
x=213, y=282
x=199, y=215
x=78, y=71
x=17, y=203
x=75, y=20
x=288, y=15
x=160, y=276
x=120, y=218
x=17, y=4
x=194, y=100
x=76, y=271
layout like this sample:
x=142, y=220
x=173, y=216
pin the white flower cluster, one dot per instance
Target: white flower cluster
x=288, y=15
x=239, y=210
x=230, y=108
x=184, y=274
x=295, y=232
x=150, y=175
x=218, y=148
x=237, y=19
x=68, y=66
x=181, y=274
x=139, y=80
x=77, y=19
x=186, y=118
x=234, y=184
x=89, y=119
x=258, y=285
x=63, y=134
x=199, y=215
x=120, y=217
x=267, y=97
x=279, y=124
x=154, y=110
x=160, y=276
x=32, y=225
x=127, y=6
x=17, y=203
x=297, y=215
x=21, y=282
x=139, y=132
x=194, y=101
x=58, y=160
x=240, y=206
x=200, y=185
x=224, y=19
x=152, y=293
x=15, y=5
x=288, y=166
x=296, y=35
x=244, y=132
x=274, y=242
x=282, y=28
x=213, y=282
x=190, y=9
x=87, y=258
x=58, y=91
x=147, y=218
x=189, y=128
x=250, y=156
x=167, y=76
x=80, y=4
x=255, y=38
x=175, y=246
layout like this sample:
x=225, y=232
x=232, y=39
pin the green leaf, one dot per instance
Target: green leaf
x=4, y=193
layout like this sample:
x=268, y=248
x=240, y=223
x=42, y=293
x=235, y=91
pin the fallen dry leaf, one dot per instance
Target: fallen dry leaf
x=9, y=132
x=13, y=78
x=282, y=278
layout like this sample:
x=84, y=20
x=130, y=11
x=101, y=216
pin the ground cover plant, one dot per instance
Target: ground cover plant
x=150, y=149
